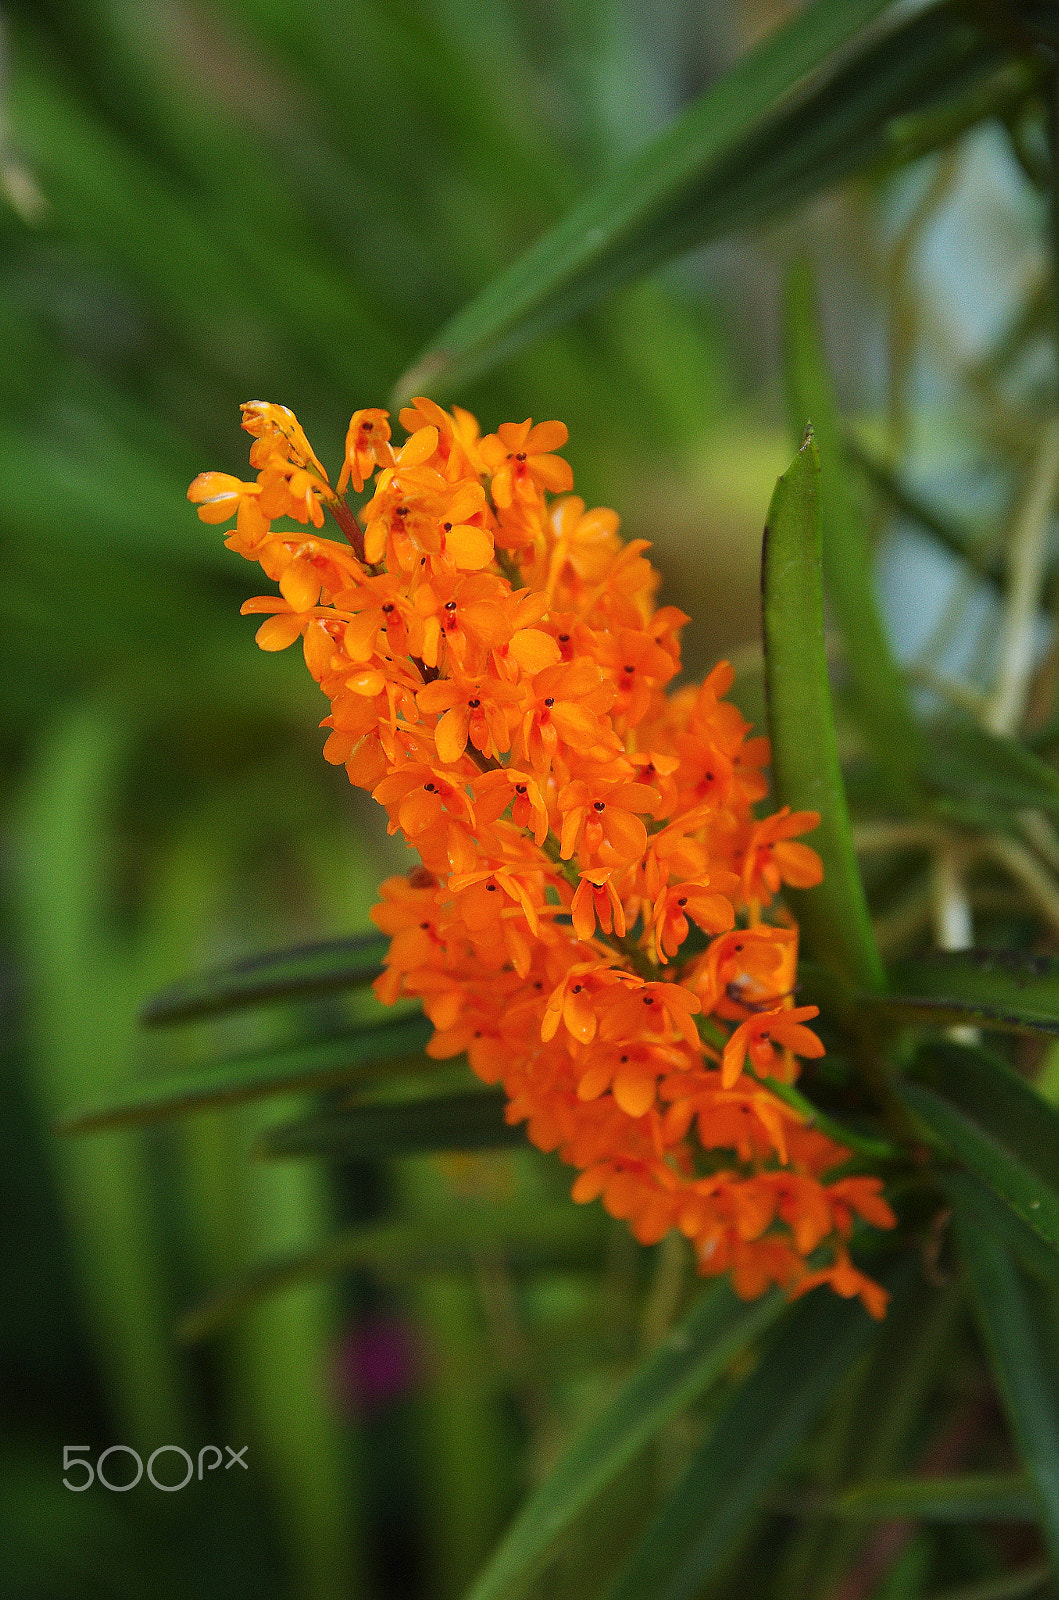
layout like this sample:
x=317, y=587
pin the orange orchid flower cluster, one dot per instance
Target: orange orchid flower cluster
x=588, y=922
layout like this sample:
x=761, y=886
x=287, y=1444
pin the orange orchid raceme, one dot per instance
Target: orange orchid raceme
x=595, y=920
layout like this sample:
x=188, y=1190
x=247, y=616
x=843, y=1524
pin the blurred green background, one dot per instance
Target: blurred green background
x=206, y=203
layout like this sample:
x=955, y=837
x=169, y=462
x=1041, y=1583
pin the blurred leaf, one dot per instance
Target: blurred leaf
x=307, y=969
x=746, y=1447
x=747, y=151
x=1007, y=991
x=691, y=1357
x=834, y=914
x=878, y=687
x=525, y=1235
x=469, y=1121
x=976, y=1497
x=1014, y=979
x=992, y=775
x=1022, y=1348
x=995, y=1124
x=1034, y=1253
x=384, y=1048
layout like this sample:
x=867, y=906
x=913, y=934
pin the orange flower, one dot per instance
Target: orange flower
x=498, y=676
x=769, y=1040
x=518, y=455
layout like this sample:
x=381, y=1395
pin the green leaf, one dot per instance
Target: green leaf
x=1022, y=1346
x=1034, y=1253
x=691, y=1358
x=988, y=773
x=974, y=1497
x=749, y=1443
x=526, y=1235
x=771, y=132
x=833, y=915
x=878, y=688
x=1008, y=991
x=279, y=975
x=469, y=1121
x=383, y=1048
x=995, y=1125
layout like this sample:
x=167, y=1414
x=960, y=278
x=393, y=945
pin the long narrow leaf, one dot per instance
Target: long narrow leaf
x=772, y=131
x=986, y=771
x=470, y=1121
x=995, y=1125
x=527, y=1236
x=975, y=1497
x=308, y=969
x=385, y=1047
x=834, y=915
x=878, y=688
x=691, y=1358
x=1021, y=1347
x=747, y=1447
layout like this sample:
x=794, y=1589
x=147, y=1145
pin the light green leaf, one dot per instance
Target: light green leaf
x=878, y=688
x=834, y=914
x=746, y=1448
x=384, y=1048
x=309, y=969
x=1023, y=1352
x=470, y=1121
x=995, y=1125
x=692, y=1357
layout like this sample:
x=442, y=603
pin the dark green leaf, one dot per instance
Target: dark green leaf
x=692, y=1357
x=989, y=773
x=384, y=1048
x=878, y=687
x=771, y=132
x=1022, y=1347
x=1008, y=991
x=750, y=1441
x=1034, y=1253
x=470, y=1121
x=978, y=1496
x=279, y=975
x=833, y=915
x=525, y=1235
x=995, y=1125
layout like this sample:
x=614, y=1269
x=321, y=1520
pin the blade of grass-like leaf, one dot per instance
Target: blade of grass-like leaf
x=743, y=154
x=1007, y=991
x=1034, y=1252
x=998, y=774
x=938, y=1013
x=746, y=1448
x=526, y=1235
x=878, y=687
x=469, y=1121
x=995, y=1125
x=691, y=1357
x=320, y=968
x=974, y=1497
x=1023, y=1354
x=636, y=199
x=1015, y=980
x=833, y=915
x=384, y=1048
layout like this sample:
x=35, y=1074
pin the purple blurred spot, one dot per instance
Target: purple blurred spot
x=378, y=1363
